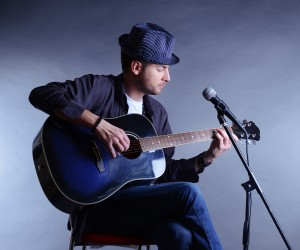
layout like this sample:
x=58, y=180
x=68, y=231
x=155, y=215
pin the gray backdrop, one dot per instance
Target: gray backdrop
x=248, y=51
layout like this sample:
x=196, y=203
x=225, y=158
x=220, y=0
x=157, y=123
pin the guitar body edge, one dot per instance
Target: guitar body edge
x=52, y=192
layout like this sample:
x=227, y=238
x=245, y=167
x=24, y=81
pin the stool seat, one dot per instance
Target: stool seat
x=110, y=239
x=81, y=238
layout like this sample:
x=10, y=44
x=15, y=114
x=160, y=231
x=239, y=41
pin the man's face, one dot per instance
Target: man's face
x=153, y=78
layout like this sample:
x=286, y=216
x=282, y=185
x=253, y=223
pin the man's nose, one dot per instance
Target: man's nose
x=167, y=77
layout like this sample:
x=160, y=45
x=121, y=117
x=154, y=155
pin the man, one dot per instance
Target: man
x=172, y=211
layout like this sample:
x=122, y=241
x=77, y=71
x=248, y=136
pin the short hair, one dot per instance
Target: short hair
x=126, y=61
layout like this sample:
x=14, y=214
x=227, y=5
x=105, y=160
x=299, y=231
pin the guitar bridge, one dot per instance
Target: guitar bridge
x=98, y=157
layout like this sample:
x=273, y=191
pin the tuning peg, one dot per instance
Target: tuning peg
x=243, y=141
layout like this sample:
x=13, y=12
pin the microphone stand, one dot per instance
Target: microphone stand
x=249, y=186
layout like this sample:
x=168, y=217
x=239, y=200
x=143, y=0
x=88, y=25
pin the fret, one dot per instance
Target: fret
x=169, y=140
x=191, y=137
x=146, y=144
x=165, y=141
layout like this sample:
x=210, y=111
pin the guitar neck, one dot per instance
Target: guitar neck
x=173, y=140
x=250, y=134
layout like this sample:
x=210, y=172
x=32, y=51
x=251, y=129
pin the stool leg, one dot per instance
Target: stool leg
x=140, y=247
x=72, y=242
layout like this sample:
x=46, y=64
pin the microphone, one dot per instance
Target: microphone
x=211, y=95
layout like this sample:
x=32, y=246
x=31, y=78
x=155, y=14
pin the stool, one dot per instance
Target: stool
x=84, y=239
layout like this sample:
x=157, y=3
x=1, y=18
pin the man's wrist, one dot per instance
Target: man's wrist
x=99, y=119
x=201, y=162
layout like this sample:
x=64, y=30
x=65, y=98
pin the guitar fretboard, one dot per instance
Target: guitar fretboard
x=173, y=140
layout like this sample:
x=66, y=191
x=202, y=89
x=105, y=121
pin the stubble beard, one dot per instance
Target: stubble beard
x=144, y=86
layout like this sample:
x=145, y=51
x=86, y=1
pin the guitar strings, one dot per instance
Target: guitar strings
x=155, y=142
x=162, y=141
x=135, y=145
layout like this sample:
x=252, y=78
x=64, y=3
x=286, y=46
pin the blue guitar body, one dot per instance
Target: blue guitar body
x=75, y=169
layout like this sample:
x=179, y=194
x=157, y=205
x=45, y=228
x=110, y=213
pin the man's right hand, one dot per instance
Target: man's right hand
x=113, y=137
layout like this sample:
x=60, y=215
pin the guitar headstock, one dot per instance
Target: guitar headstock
x=252, y=130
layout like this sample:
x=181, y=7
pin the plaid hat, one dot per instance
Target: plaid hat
x=150, y=43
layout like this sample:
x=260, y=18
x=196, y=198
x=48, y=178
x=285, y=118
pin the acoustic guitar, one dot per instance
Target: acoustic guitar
x=75, y=169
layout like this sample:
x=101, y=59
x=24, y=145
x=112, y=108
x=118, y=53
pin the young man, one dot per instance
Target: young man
x=172, y=211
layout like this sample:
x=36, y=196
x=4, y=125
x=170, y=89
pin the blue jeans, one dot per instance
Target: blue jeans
x=173, y=214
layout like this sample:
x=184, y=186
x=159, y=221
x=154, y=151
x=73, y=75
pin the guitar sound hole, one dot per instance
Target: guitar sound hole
x=135, y=149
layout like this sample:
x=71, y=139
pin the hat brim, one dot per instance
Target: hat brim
x=128, y=51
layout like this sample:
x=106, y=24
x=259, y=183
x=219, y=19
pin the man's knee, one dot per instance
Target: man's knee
x=189, y=191
x=173, y=235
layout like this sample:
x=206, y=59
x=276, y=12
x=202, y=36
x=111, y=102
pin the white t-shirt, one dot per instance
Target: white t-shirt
x=134, y=106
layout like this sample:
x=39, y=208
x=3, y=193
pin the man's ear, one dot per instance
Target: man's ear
x=136, y=67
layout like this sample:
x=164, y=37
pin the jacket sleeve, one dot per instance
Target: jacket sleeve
x=70, y=97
